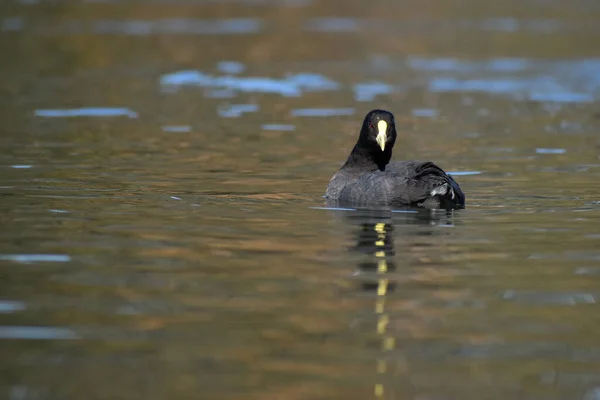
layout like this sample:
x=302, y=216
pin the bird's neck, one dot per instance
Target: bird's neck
x=368, y=157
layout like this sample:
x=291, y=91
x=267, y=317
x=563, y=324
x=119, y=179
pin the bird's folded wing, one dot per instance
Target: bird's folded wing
x=386, y=187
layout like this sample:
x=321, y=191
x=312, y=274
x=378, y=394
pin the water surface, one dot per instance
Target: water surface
x=163, y=233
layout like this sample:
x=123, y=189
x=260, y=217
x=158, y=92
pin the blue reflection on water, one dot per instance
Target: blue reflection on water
x=332, y=24
x=86, y=112
x=27, y=258
x=504, y=25
x=458, y=173
x=539, y=89
x=454, y=64
x=236, y=110
x=278, y=127
x=425, y=112
x=292, y=85
x=8, y=306
x=571, y=81
x=333, y=208
x=231, y=67
x=542, y=150
x=368, y=91
x=478, y=85
x=563, y=97
x=535, y=297
x=36, y=333
x=178, y=25
x=11, y=24
x=219, y=93
x=514, y=25
x=523, y=79
x=322, y=112
x=176, y=128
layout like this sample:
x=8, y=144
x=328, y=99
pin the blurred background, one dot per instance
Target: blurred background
x=162, y=230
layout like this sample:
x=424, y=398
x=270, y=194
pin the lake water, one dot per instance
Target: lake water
x=163, y=233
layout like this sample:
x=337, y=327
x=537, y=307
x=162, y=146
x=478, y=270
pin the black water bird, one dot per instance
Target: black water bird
x=367, y=178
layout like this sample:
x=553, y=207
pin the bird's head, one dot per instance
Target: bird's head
x=378, y=131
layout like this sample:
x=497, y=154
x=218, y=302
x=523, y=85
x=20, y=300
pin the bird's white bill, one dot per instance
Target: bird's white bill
x=381, y=135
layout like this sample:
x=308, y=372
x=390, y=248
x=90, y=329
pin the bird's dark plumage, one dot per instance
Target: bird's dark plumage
x=368, y=179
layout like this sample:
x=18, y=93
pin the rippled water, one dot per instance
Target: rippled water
x=163, y=232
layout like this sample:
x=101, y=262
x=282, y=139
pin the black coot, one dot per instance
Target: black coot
x=367, y=179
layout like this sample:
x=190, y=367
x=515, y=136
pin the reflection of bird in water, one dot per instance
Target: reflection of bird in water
x=367, y=178
x=375, y=241
x=375, y=231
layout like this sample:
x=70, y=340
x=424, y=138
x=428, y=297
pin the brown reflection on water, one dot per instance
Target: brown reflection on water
x=138, y=260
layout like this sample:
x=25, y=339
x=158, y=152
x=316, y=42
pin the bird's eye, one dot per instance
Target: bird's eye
x=371, y=125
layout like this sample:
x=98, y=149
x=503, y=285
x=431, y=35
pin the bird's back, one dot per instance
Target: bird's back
x=404, y=183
